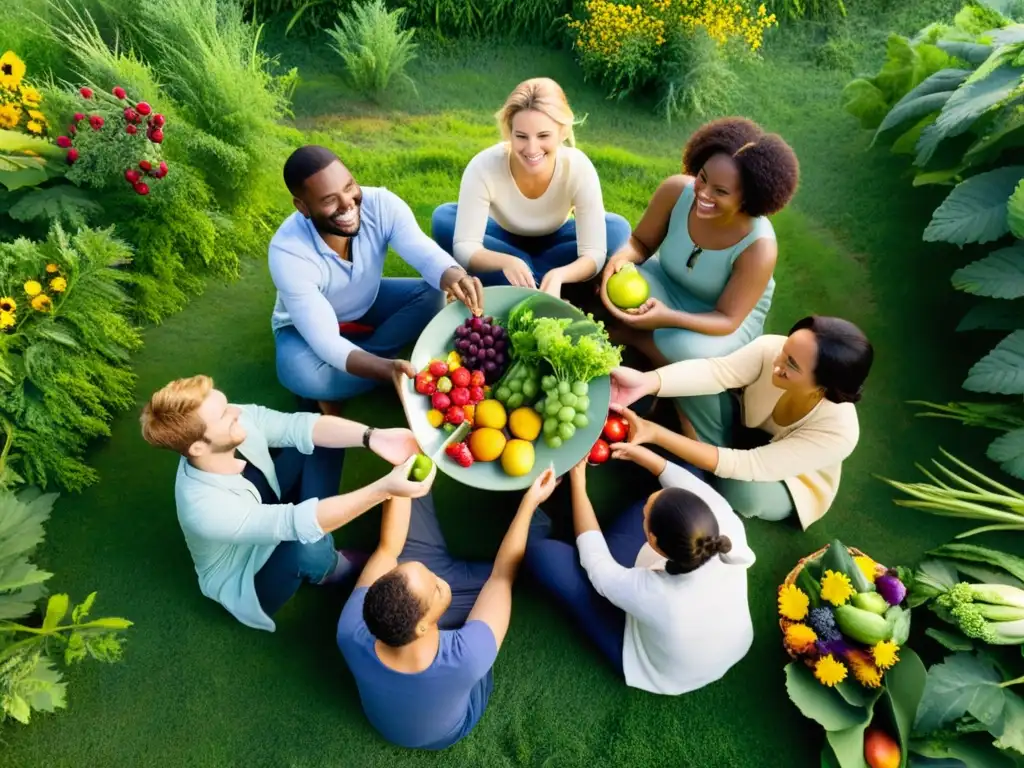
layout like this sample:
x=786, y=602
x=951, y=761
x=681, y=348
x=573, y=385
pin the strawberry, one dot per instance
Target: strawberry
x=63, y=142
x=72, y=155
x=156, y=136
x=142, y=188
x=438, y=368
x=131, y=129
x=451, y=449
x=459, y=452
x=157, y=120
x=131, y=176
x=461, y=377
x=476, y=394
x=477, y=379
x=441, y=401
x=455, y=415
x=119, y=92
x=460, y=395
x=86, y=92
x=143, y=108
x=145, y=165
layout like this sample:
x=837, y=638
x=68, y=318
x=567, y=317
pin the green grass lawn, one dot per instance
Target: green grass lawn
x=198, y=689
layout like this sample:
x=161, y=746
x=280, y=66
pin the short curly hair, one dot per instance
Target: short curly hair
x=768, y=166
x=391, y=611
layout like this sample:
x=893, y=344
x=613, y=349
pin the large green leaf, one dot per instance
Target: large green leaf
x=1001, y=371
x=951, y=641
x=27, y=160
x=848, y=745
x=904, y=687
x=1008, y=451
x=994, y=315
x=972, y=53
x=975, y=211
x=907, y=143
x=927, y=97
x=65, y=201
x=56, y=609
x=1003, y=133
x=967, y=104
x=866, y=102
x=1004, y=54
x=1015, y=211
x=819, y=702
x=1000, y=275
x=960, y=752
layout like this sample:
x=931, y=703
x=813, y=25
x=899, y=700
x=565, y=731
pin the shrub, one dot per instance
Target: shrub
x=64, y=345
x=374, y=47
x=791, y=10
x=679, y=47
x=950, y=99
x=29, y=650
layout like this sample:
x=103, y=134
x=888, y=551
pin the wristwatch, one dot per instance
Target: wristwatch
x=366, y=436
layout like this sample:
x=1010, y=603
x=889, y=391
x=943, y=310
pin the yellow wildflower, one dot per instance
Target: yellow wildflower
x=828, y=671
x=30, y=97
x=10, y=115
x=884, y=654
x=836, y=587
x=32, y=287
x=6, y=320
x=42, y=303
x=34, y=126
x=7, y=304
x=58, y=285
x=866, y=565
x=12, y=69
x=793, y=602
x=864, y=670
x=52, y=269
x=800, y=638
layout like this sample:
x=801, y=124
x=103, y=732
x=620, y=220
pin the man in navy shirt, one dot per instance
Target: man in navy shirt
x=338, y=323
x=421, y=630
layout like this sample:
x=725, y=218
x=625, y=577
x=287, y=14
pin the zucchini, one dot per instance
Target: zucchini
x=838, y=559
x=863, y=626
x=870, y=601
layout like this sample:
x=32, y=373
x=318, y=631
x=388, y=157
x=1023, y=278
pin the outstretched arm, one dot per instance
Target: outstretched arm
x=494, y=604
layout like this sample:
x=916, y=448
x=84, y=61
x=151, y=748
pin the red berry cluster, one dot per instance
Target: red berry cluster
x=134, y=117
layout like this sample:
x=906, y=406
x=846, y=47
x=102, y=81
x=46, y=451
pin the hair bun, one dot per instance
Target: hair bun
x=723, y=545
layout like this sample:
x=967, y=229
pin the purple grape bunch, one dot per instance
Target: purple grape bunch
x=483, y=346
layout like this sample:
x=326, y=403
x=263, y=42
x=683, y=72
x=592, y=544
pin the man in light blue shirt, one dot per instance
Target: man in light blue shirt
x=251, y=545
x=338, y=323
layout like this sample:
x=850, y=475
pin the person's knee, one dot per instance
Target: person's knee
x=617, y=230
x=316, y=559
x=442, y=225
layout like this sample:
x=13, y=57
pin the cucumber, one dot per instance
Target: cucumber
x=838, y=559
x=863, y=626
x=870, y=601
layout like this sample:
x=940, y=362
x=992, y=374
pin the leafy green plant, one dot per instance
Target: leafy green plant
x=792, y=10
x=31, y=647
x=696, y=78
x=373, y=46
x=64, y=345
x=27, y=161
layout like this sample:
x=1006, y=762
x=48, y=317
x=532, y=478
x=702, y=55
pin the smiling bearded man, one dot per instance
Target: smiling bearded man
x=338, y=323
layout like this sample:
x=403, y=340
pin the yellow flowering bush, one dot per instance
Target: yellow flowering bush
x=19, y=100
x=629, y=46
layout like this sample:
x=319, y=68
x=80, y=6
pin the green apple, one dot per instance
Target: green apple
x=627, y=288
x=421, y=468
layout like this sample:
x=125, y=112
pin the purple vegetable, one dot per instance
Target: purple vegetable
x=487, y=341
x=891, y=588
x=490, y=353
x=838, y=647
x=499, y=345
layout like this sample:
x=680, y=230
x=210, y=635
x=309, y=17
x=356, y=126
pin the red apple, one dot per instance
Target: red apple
x=455, y=415
x=461, y=377
x=441, y=401
x=476, y=394
x=460, y=395
x=477, y=379
x=438, y=368
x=600, y=452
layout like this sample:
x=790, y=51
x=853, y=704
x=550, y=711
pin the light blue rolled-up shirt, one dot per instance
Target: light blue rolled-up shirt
x=229, y=531
x=316, y=289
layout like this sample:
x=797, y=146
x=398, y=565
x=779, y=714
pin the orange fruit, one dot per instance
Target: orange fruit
x=490, y=413
x=518, y=457
x=525, y=423
x=486, y=443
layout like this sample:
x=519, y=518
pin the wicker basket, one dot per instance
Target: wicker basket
x=791, y=579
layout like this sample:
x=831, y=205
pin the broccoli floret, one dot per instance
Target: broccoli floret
x=959, y=601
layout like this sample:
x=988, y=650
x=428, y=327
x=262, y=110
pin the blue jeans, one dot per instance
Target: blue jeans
x=541, y=254
x=293, y=562
x=402, y=309
x=425, y=544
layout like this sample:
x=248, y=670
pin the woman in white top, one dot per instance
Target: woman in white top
x=664, y=594
x=512, y=224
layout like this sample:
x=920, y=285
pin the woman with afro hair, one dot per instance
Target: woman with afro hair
x=707, y=250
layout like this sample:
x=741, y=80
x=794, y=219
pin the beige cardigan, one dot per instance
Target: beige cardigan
x=806, y=455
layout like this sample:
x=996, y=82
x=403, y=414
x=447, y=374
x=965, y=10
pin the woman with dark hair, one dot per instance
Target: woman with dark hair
x=796, y=404
x=664, y=594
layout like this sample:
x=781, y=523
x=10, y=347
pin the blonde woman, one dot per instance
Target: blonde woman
x=530, y=210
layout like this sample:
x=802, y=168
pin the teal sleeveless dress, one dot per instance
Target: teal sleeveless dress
x=697, y=290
